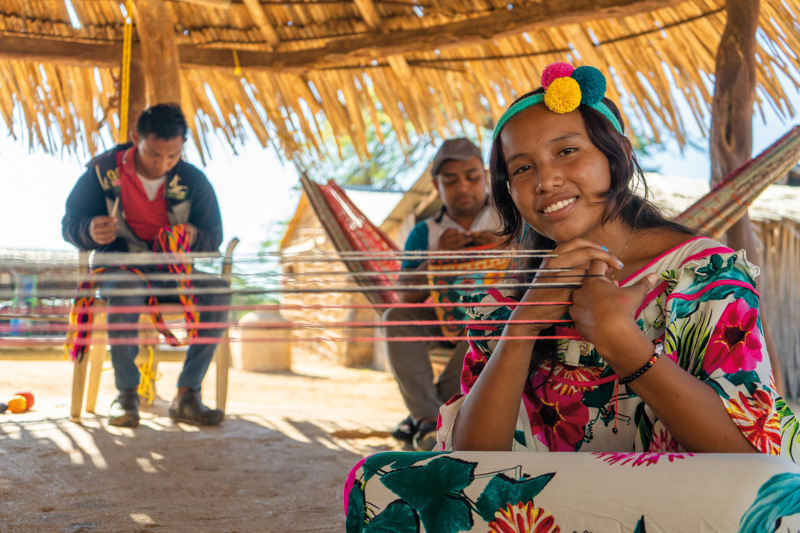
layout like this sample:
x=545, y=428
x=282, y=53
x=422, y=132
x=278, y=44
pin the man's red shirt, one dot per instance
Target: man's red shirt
x=144, y=217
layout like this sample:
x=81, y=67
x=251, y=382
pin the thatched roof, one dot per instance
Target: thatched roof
x=318, y=70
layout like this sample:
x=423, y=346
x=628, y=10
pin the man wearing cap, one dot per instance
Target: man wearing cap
x=464, y=221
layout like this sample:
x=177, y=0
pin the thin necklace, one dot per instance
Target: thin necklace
x=624, y=248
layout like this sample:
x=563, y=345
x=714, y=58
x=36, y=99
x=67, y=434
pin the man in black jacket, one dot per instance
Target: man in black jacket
x=119, y=205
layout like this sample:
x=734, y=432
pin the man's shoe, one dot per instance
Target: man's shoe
x=405, y=430
x=188, y=408
x=124, y=410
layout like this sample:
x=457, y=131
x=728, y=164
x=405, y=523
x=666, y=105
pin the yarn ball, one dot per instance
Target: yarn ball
x=28, y=397
x=554, y=71
x=592, y=82
x=563, y=96
x=3, y=407
x=18, y=404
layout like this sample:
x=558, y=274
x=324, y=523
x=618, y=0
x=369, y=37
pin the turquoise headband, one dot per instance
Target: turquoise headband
x=565, y=88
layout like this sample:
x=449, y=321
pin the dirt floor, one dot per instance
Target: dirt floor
x=277, y=463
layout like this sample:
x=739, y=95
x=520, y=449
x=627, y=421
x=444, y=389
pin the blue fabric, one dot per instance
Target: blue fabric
x=417, y=241
x=198, y=356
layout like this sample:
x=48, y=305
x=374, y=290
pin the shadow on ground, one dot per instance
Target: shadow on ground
x=277, y=463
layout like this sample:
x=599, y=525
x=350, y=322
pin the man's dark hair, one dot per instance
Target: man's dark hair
x=165, y=121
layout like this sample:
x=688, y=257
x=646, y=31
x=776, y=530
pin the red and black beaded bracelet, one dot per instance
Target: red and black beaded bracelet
x=646, y=367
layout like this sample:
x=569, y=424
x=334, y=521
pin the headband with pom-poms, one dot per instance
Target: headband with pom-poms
x=565, y=88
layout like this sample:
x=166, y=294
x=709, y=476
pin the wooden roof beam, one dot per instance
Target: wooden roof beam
x=45, y=50
x=264, y=26
x=476, y=30
x=220, y=4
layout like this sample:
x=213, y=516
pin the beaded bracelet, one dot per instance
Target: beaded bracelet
x=646, y=367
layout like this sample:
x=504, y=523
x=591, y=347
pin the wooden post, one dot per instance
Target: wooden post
x=732, y=124
x=160, y=60
x=136, y=94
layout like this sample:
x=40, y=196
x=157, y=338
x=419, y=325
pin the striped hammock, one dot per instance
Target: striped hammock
x=717, y=211
x=350, y=231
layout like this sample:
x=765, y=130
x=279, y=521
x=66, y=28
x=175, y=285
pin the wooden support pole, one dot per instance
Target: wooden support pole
x=732, y=125
x=160, y=59
x=137, y=98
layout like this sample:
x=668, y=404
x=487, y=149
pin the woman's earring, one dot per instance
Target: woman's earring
x=508, y=186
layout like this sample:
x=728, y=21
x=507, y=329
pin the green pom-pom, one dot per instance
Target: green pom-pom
x=592, y=82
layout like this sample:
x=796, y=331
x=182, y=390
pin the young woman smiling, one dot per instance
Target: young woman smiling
x=658, y=344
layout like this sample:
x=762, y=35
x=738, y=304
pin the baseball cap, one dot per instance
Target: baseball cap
x=458, y=149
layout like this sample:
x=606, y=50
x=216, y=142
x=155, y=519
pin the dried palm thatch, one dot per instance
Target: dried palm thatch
x=316, y=71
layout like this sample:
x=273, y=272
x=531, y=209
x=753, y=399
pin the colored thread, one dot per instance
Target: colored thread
x=147, y=387
x=80, y=317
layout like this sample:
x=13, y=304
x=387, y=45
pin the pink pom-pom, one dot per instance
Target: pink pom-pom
x=554, y=71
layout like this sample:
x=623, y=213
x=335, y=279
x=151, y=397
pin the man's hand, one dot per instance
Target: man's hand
x=191, y=233
x=453, y=239
x=480, y=238
x=103, y=229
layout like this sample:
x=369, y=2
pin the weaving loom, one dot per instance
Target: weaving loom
x=350, y=231
x=373, y=260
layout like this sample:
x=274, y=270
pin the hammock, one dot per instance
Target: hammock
x=350, y=231
x=726, y=202
x=713, y=214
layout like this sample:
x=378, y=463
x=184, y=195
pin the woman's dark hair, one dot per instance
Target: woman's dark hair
x=620, y=201
x=165, y=121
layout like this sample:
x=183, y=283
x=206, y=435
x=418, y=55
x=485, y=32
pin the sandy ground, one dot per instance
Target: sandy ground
x=277, y=463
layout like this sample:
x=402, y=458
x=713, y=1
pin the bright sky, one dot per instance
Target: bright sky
x=254, y=189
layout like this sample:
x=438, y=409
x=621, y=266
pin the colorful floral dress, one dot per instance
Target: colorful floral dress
x=705, y=311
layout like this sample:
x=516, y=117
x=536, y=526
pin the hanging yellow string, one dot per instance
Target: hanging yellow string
x=237, y=68
x=147, y=385
x=126, y=73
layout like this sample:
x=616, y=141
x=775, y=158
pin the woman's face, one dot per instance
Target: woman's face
x=556, y=175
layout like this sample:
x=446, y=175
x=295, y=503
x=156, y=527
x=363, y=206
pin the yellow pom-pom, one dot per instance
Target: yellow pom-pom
x=563, y=95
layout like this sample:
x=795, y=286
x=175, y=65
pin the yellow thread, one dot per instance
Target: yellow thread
x=147, y=389
x=126, y=73
x=237, y=68
x=563, y=95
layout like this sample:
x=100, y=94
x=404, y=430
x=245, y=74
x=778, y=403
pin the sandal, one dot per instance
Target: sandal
x=405, y=430
x=425, y=438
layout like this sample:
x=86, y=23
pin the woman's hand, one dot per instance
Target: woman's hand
x=574, y=257
x=605, y=313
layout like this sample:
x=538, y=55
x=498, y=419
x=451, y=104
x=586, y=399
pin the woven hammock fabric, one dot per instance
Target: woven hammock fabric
x=170, y=239
x=350, y=230
x=717, y=211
